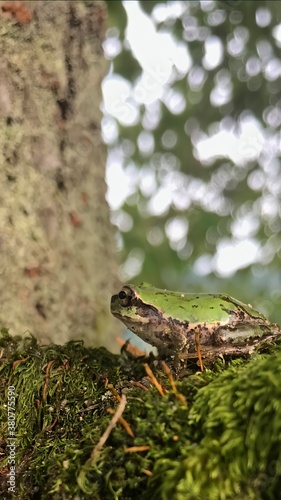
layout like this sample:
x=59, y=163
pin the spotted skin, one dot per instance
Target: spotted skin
x=176, y=323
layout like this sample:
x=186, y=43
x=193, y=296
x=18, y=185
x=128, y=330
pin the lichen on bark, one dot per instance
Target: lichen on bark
x=58, y=264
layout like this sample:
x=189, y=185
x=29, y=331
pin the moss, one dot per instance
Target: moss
x=225, y=444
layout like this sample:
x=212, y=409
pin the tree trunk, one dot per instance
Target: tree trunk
x=58, y=266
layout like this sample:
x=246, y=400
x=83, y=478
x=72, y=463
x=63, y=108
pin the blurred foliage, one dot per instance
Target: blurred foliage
x=210, y=200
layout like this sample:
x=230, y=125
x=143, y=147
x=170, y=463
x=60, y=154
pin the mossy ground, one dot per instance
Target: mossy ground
x=225, y=444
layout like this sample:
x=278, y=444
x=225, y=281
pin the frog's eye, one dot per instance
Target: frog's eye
x=125, y=297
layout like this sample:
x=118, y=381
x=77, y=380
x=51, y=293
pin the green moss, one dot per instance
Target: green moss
x=236, y=446
x=226, y=444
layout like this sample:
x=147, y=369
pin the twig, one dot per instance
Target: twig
x=15, y=363
x=134, y=449
x=114, y=392
x=138, y=384
x=153, y=380
x=168, y=372
x=96, y=451
x=123, y=422
x=44, y=395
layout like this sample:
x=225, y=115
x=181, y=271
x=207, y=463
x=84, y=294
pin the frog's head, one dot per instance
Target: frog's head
x=129, y=307
x=142, y=309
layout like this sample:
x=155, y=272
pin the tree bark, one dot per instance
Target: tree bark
x=58, y=265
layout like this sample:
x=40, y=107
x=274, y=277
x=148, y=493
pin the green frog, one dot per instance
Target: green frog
x=192, y=325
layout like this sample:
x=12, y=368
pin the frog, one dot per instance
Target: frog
x=192, y=325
